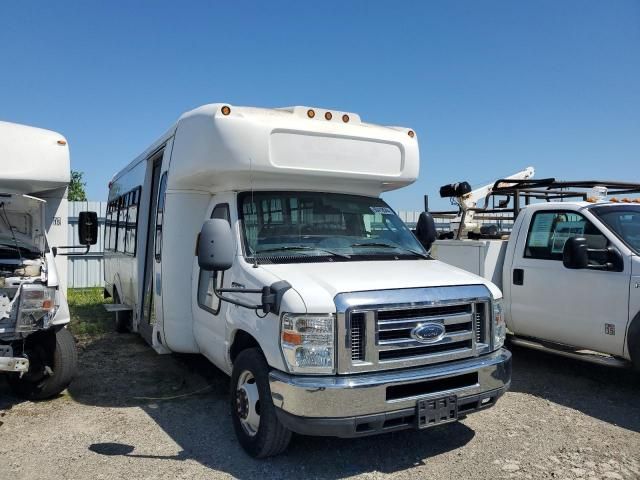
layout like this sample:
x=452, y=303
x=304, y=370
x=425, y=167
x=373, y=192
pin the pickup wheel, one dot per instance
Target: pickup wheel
x=254, y=416
x=633, y=335
x=53, y=362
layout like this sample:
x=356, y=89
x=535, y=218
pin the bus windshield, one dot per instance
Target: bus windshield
x=290, y=227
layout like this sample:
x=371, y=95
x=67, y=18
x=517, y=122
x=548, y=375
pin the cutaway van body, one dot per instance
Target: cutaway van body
x=258, y=238
x=36, y=350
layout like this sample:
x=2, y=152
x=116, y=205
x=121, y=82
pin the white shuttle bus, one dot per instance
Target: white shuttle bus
x=258, y=238
x=37, y=352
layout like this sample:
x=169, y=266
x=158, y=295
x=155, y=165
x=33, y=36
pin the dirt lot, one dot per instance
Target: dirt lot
x=132, y=414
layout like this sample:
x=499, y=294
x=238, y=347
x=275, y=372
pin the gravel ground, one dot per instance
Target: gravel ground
x=132, y=414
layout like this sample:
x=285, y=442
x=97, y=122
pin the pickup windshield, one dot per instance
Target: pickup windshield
x=291, y=227
x=624, y=221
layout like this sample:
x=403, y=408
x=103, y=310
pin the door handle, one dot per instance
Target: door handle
x=518, y=276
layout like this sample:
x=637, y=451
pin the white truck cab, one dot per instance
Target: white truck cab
x=257, y=238
x=568, y=268
x=37, y=352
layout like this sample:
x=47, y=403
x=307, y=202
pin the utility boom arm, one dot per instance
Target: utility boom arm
x=469, y=201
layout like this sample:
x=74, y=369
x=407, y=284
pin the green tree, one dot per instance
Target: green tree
x=76, y=187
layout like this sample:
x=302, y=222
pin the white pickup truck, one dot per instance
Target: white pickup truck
x=569, y=267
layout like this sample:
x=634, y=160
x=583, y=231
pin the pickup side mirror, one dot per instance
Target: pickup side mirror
x=216, y=248
x=426, y=230
x=88, y=228
x=575, y=254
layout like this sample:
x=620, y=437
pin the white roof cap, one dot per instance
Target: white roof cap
x=222, y=147
x=32, y=159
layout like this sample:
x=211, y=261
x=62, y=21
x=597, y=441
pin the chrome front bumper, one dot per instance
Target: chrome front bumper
x=336, y=397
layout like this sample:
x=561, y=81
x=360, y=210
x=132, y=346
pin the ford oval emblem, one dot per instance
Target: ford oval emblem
x=428, y=332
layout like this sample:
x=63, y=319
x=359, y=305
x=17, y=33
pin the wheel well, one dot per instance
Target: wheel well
x=633, y=340
x=241, y=341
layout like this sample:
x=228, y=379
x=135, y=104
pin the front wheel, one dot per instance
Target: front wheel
x=53, y=362
x=254, y=416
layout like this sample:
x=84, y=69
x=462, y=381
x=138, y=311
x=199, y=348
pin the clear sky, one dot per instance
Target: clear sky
x=489, y=86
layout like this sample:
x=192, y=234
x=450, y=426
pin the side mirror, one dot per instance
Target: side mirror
x=88, y=228
x=426, y=230
x=575, y=253
x=216, y=248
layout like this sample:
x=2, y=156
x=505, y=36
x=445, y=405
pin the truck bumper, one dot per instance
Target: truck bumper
x=366, y=404
x=14, y=364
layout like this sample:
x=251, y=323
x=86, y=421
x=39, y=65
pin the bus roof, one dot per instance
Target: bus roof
x=33, y=159
x=222, y=147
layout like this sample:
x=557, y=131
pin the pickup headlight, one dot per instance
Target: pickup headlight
x=37, y=302
x=308, y=342
x=499, y=326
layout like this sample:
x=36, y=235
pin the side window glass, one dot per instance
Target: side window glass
x=206, y=297
x=132, y=222
x=122, y=222
x=549, y=232
x=160, y=216
x=107, y=228
x=113, y=225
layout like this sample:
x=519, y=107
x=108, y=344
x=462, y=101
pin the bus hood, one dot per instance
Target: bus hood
x=319, y=283
x=25, y=215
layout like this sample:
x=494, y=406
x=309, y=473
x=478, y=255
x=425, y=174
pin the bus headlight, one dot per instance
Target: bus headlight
x=499, y=326
x=37, y=302
x=308, y=342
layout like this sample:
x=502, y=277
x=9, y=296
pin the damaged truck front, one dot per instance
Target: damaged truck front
x=37, y=351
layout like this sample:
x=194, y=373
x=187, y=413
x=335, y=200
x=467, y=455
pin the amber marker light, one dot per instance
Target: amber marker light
x=345, y=118
x=226, y=110
x=328, y=115
x=293, y=338
x=411, y=133
x=311, y=113
x=62, y=142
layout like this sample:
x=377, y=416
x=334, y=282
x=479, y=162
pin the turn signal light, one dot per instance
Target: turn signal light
x=292, y=338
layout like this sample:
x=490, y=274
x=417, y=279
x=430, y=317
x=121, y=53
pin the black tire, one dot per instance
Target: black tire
x=55, y=351
x=271, y=437
x=633, y=336
x=123, y=319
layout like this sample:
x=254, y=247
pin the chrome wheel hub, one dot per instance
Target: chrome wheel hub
x=248, y=403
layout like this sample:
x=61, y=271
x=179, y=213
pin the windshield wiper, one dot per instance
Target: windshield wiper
x=387, y=245
x=302, y=247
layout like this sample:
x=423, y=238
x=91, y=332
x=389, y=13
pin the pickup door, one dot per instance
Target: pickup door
x=584, y=308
